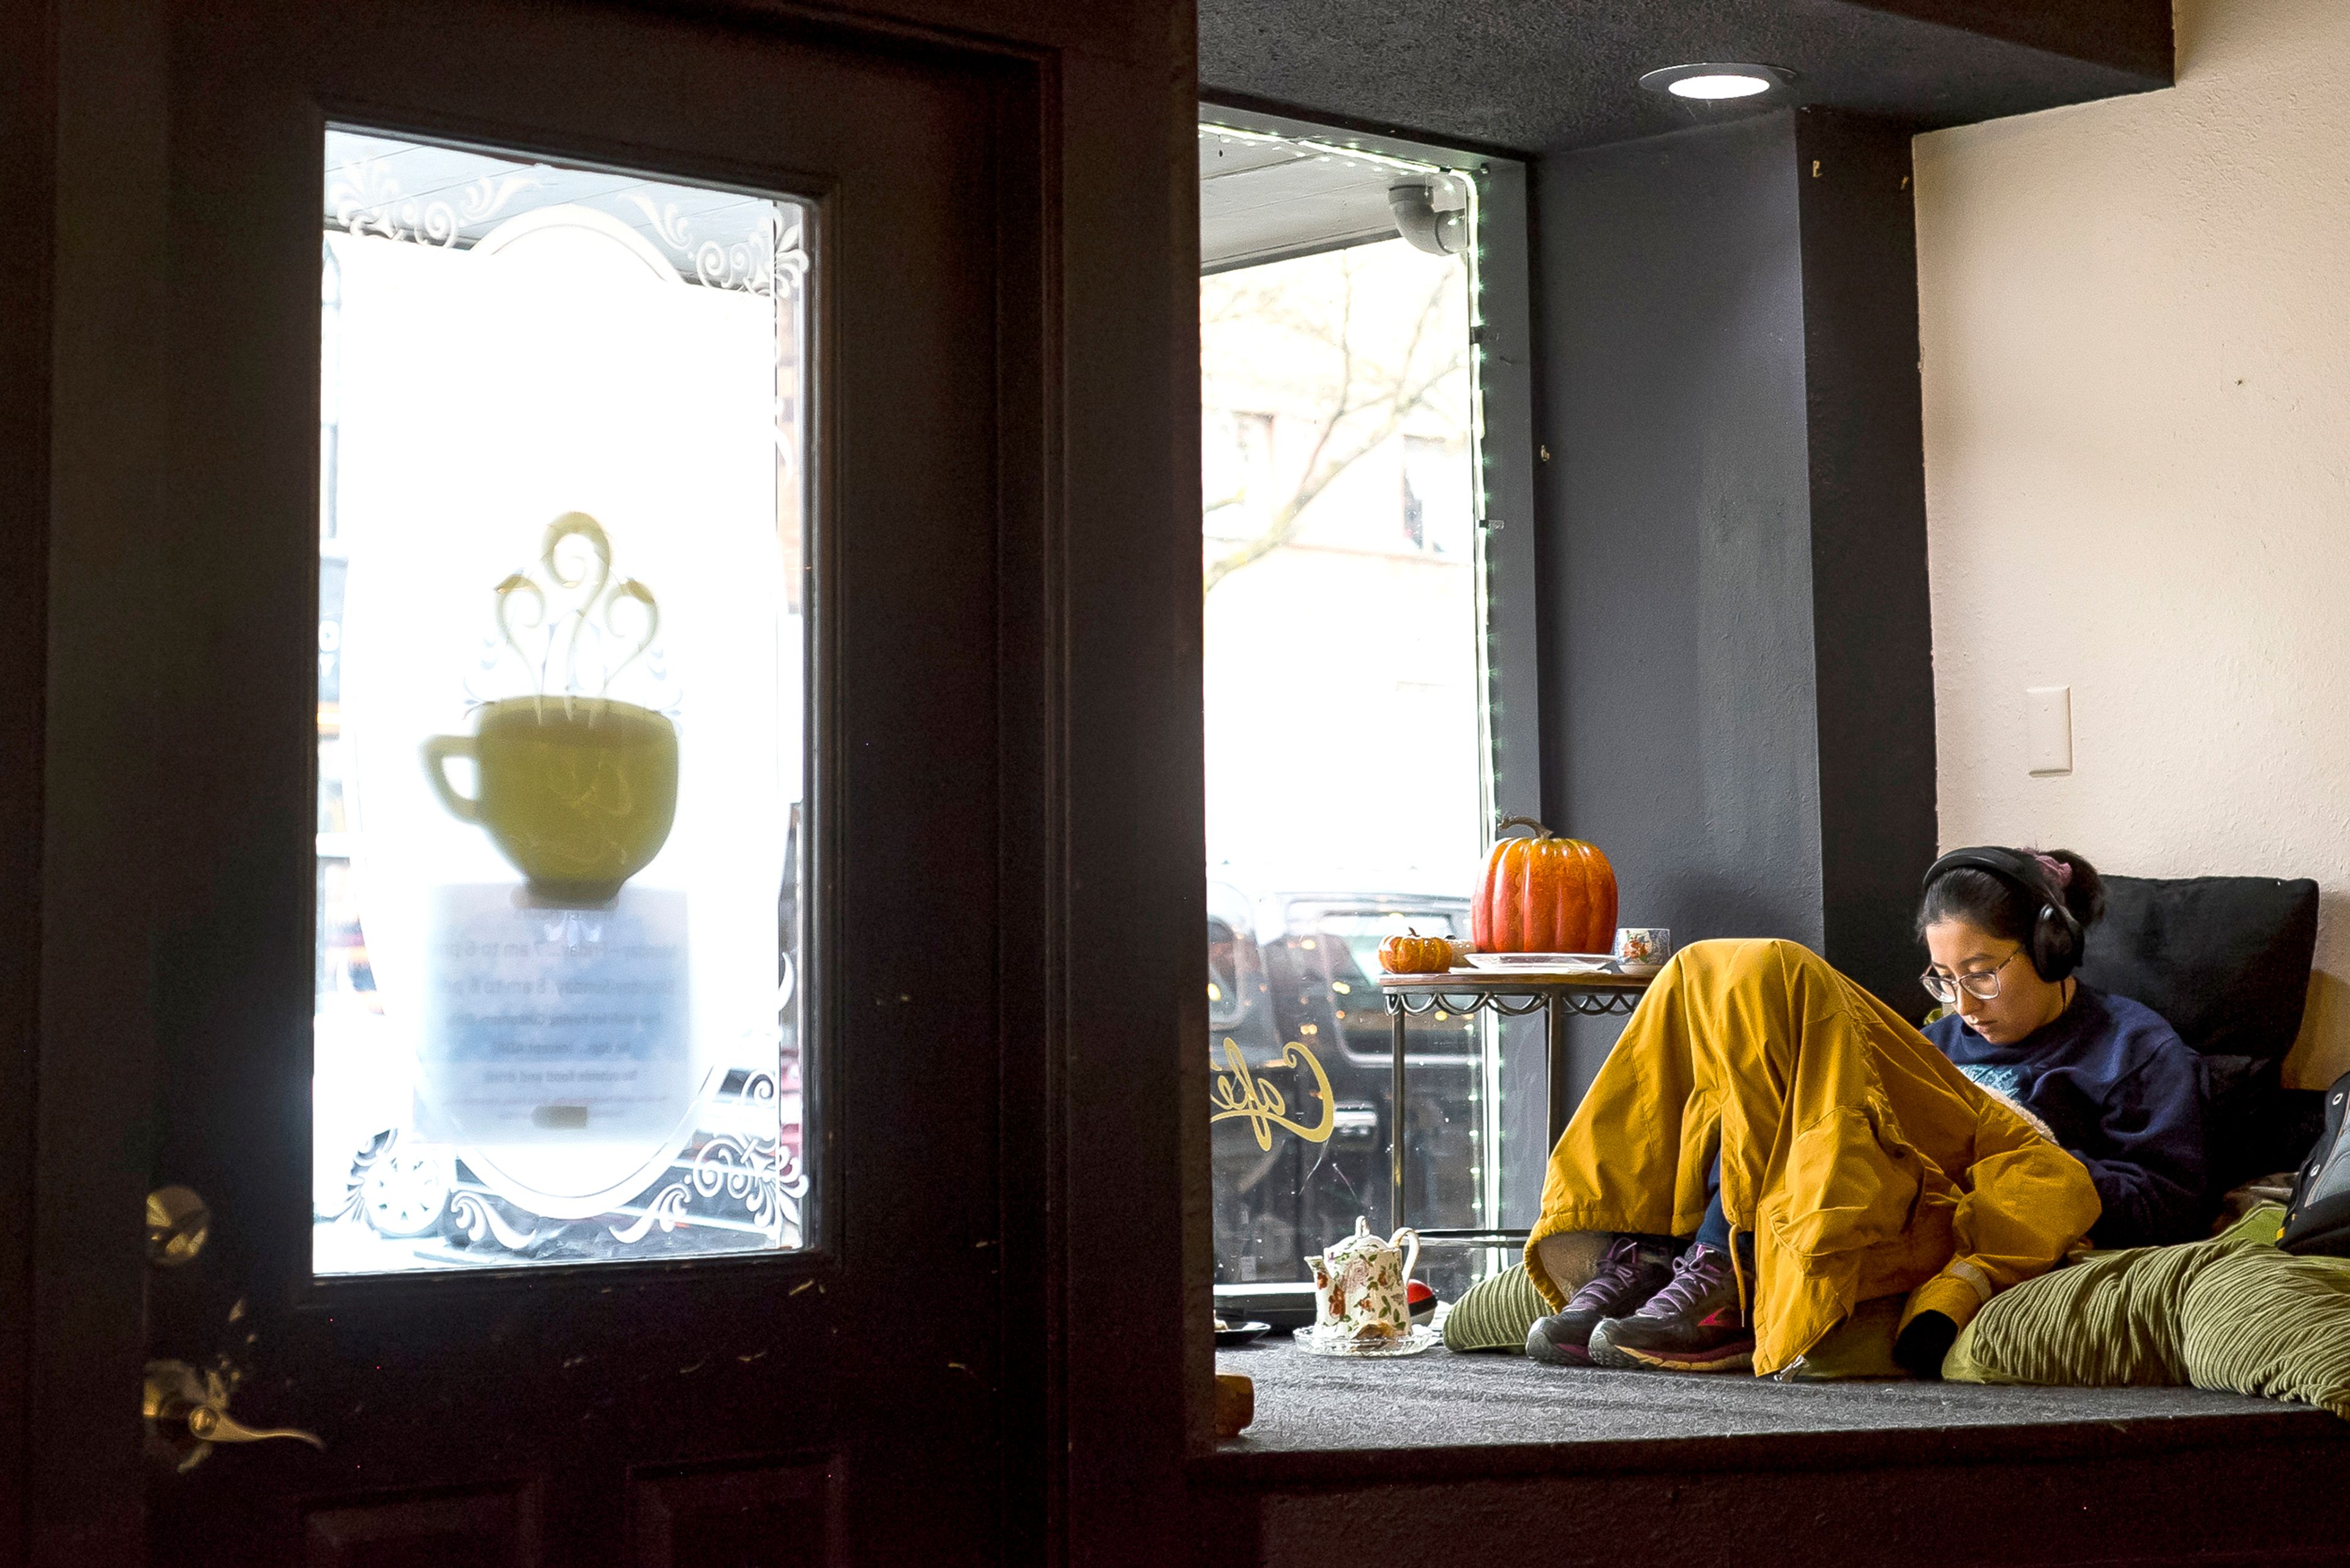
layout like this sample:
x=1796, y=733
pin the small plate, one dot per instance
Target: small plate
x=1640, y=970
x=1541, y=960
x=1240, y=1333
x=1421, y=1338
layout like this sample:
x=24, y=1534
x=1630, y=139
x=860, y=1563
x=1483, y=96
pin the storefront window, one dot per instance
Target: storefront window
x=1346, y=760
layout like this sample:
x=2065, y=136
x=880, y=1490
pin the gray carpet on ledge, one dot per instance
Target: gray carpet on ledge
x=1310, y=1403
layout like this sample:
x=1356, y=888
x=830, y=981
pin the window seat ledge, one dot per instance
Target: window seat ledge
x=1322, y=1420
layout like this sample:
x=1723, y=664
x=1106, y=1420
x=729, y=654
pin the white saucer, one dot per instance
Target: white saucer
x=1311, y=1341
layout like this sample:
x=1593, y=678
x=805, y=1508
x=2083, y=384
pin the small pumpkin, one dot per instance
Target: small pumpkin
x=1544, y=895
x=1412, y=953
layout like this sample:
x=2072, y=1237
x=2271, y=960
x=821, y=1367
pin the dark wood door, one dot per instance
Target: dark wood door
x=779, y=1357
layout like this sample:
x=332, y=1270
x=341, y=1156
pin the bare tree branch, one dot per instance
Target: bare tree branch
x=1395, y=401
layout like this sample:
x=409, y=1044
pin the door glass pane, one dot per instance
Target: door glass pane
x=561, y=693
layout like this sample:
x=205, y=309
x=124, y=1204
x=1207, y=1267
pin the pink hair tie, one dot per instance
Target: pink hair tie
x=2057, y=870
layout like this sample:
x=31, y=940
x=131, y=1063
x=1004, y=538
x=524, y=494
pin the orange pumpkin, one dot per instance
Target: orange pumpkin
x=1412, y=953
x=1544, y=895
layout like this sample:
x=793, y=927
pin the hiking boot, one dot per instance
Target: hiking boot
x=1630, y=1272
x=1696, y=1324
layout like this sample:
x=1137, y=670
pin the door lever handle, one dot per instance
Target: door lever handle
x=177, y=1226
x=177, y=1397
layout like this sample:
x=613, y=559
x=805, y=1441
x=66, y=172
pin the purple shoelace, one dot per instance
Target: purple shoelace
x=1694, y=1277
x=1618, y=1268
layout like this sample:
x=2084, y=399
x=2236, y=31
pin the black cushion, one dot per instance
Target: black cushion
x=2253, y=1124
x=2225, y=960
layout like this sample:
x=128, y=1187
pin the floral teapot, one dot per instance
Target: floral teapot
x=1358, y=1284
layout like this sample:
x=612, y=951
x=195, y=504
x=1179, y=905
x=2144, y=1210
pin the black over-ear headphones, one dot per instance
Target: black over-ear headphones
x=2055, y=943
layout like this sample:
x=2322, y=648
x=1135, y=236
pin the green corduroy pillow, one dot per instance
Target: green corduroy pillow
x=2233, y=1314
x=1496, y=1313
x=2110, y=1320
x=2266, y=1322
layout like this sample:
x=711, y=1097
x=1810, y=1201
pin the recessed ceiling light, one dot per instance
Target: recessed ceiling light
x=1717, y=86
x=1715, y=80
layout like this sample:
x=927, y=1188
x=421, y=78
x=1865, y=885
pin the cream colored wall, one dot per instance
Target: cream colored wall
x=2135, y=325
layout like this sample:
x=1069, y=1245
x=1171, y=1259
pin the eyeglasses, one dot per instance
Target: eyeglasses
x=1983, y=985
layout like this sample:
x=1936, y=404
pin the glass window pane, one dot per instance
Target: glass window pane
x=1345, y=770
x=560, y=715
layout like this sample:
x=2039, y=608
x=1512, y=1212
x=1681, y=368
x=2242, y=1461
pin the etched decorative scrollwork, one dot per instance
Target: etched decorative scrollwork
x=757, y=264
x=478, y=1217
x=756, y=1177
x=666, y=221
x=368, y=200
x=666, y=1209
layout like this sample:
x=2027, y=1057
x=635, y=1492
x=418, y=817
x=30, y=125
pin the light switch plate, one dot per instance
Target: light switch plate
x=2048, y=730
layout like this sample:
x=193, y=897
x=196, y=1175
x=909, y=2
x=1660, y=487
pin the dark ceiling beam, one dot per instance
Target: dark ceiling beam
x=2129, y=36
x=1551, y=76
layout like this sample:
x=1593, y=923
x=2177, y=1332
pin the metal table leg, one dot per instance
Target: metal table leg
x=1554, y=1053
x=1395, y=1117
x=1556, y=1003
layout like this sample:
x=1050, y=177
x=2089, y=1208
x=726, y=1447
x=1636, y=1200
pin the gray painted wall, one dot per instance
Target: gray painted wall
x=1676, y=557
x=1737, y=680
x=1679, y=728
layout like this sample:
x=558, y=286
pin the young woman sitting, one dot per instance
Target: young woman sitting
x=1821, y=1152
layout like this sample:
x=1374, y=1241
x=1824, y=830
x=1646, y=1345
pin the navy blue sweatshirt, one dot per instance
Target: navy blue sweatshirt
x=2120, y=1090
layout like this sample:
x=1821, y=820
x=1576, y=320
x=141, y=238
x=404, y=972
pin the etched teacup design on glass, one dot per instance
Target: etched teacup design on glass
x=578, y=792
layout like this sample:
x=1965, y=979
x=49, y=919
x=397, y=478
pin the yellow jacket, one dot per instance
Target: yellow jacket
x=1862, y=1162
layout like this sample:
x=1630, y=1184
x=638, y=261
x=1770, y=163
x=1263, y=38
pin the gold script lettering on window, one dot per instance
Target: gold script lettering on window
x=561, y=692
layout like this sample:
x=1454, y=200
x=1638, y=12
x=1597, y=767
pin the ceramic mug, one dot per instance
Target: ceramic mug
x=1643, y=945
x=1360, y=1284
x=577, y=792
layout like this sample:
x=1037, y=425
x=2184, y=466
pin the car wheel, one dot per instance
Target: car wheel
x=400, y=1186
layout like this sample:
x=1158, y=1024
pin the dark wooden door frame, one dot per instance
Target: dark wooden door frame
x=1105, y=1359
x=28, y=107
x=103, y=458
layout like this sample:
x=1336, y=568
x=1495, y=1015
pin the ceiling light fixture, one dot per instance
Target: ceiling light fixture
x=1713, y=81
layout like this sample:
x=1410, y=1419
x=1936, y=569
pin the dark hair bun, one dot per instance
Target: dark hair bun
x=2084, y=893
x=2008, y=906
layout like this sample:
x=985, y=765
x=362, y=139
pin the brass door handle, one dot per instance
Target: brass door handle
x=177, y=1225
x=180, y=1400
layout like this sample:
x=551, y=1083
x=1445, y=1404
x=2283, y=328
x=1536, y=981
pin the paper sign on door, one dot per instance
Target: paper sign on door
x=551, y=1025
